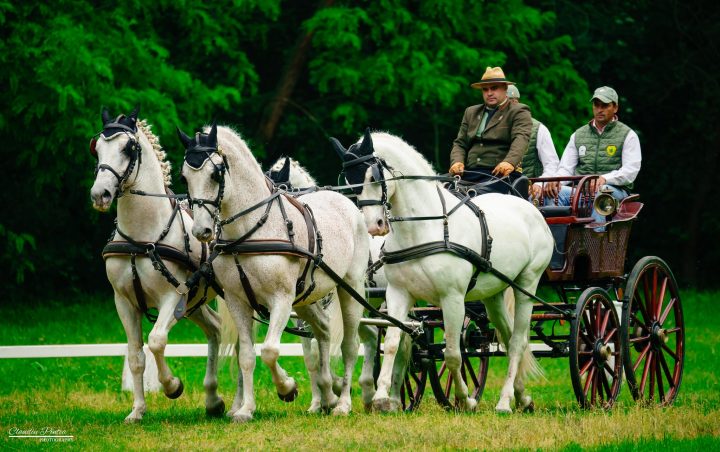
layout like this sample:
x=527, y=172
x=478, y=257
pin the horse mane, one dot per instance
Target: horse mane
x=295, y=169
x=400, y=155
x=159, y=152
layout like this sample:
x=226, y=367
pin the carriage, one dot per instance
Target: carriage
x=605, y=320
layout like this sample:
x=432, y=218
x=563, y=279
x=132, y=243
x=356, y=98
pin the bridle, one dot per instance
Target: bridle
x=132, y=149
x=218, y=176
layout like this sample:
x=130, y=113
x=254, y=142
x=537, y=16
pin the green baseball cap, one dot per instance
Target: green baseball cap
x=605, y=94
x=513, y=92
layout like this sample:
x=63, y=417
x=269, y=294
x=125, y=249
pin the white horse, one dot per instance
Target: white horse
x=226, y=184
x=131, y=161
x=287, y=171
x=521, y=249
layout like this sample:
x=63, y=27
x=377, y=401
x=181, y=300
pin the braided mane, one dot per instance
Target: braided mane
x=159, y=152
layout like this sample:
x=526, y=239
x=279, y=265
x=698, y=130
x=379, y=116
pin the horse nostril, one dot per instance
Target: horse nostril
x=106, y=194
x=380, y=223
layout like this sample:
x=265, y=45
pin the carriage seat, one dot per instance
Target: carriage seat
x=555, y=211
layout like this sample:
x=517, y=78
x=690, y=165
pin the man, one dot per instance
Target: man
x=541, y=158
x=604, y=146
x=493, y=136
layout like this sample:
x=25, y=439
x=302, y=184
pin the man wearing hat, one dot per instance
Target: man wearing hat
x=493, y=136
x=541, y=158
x=604, y=146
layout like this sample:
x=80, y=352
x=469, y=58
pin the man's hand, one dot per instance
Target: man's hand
x=597, y=184
x=503, y=169
x=457, y=168
x=535, y=191
x=551, y=189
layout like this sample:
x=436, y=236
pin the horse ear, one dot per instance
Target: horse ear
x=184, y=139
x=134, y=113
x=284, y=173
x=105, y=116
x=366, y=147
x=339, y=149
x=212, y=136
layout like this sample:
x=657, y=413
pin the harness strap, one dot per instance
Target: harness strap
x=139, y=293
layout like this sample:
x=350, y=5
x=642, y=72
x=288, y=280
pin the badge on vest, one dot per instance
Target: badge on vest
x=611, y=150
x=581, y=151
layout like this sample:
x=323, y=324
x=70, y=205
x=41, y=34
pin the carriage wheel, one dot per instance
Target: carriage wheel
x=595, y=350
x=474, y=371
x=415, y=379
x=654, y=332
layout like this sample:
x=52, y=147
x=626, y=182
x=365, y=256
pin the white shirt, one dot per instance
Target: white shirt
x=626, y=174
x=546, y=152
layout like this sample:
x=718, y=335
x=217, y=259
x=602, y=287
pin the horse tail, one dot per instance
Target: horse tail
x=529, y=366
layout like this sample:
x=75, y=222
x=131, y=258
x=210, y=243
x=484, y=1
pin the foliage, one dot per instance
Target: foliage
x=398, y=65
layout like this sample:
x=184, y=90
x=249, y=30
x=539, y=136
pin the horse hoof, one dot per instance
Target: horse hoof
x=341, y=411
x=385, y=405
x=529, y=408
x=503, y=410
x=315, y=408
x=178, y=392
x=368, y=407
x=290, y=396
x=242, y=418
x=132, y=419
x=217, y=410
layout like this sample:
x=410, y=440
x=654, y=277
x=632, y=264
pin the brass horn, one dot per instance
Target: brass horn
x=605, y=204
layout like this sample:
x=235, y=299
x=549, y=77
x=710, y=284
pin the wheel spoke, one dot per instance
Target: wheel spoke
x=672, y=330
x=587, y=365
x=606, y=319
x=648, y=298
x=658, y=376
x=646, y=369
x=610, y=334
x=652, y=378
x=666, y=369
x=667, y=310
x=607, y=367
x=669, y=352
x=598, y=313
x=588, y=330
x=641, y=356
x=586, y=339
x=594, y=387
x=471, y=371
x=590, y=376
x=660, y=298
x=639, y=339
x=606, y=385
x=639, y=322
x=653, y=300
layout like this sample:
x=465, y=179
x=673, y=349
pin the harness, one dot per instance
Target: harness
x=156, y=251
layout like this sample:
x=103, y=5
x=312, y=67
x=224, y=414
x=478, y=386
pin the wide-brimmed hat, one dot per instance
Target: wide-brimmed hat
x=492, y=75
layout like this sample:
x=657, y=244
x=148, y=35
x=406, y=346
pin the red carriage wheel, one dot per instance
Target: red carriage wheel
x=474, y=372
x=595, y=350
x=654, y=332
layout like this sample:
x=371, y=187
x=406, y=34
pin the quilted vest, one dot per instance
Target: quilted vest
x=531, y=164
x=600, y=154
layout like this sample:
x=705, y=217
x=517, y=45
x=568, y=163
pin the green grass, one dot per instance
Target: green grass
x=82, y=397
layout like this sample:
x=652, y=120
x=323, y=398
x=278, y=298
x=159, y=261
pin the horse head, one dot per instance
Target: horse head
x=118, y=153
x=367, y=173
x=204, y=173
x=280, y=175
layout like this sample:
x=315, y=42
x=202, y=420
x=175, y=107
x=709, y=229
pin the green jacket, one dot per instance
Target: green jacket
x=505, y=137
x=600, y=153
x=531, y=164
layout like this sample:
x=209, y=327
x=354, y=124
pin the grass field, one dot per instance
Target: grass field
x=81, y=397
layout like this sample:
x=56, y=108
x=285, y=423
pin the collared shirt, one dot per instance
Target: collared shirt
x=626, y=174
x=546, y=152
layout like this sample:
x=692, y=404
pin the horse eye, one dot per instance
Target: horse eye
x=183, y=180
x=218, y=173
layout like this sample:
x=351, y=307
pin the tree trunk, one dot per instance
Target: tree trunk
x=283, y=93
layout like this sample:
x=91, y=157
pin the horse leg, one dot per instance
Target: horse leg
x=312, y=364
x=369, y=338
x=400, y=367
x=527, y=364
x=157, y=341
x=209, y=322
x=499, y=316
x=453, y=310
x=242, y=313
x=318, y=320
x=399, y=303
x=280, y=308
x=352, y=312
x=238, y=399
x=132, y=323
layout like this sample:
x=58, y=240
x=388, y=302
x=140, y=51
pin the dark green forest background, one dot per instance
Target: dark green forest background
x=288, y=74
